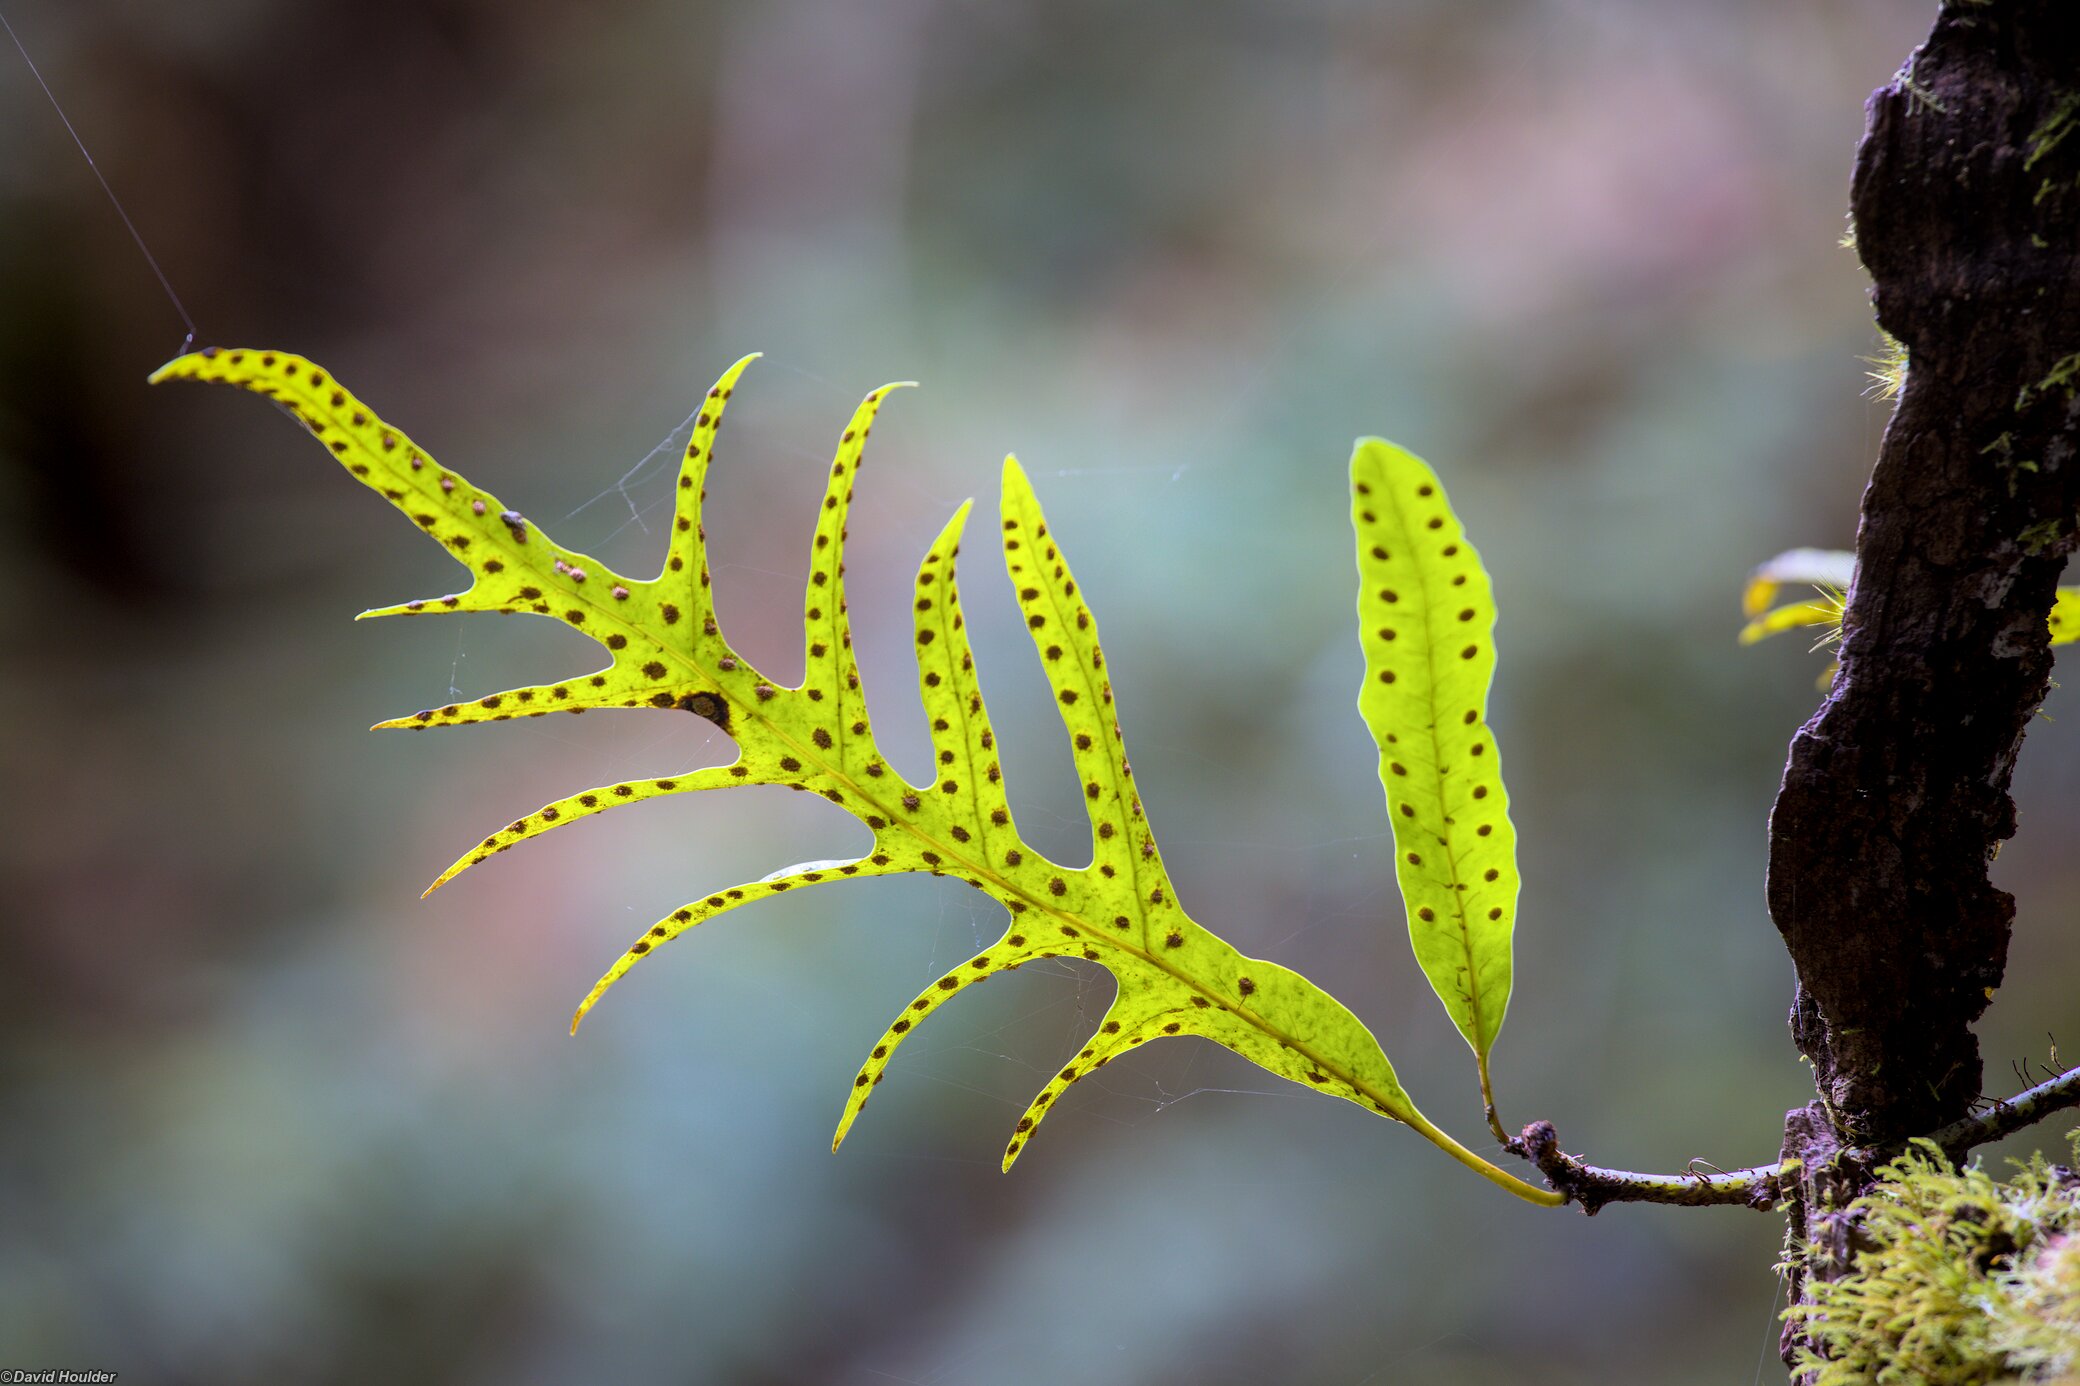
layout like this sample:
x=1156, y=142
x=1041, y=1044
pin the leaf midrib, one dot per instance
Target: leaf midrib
x=1406, y=538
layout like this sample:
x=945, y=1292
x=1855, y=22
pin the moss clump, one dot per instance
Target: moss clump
x=1964, y=1281
x=1888, y=373
x=2038, y=1325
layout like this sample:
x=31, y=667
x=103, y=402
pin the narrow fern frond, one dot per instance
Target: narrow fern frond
x=1426, y=617
x=667, y=651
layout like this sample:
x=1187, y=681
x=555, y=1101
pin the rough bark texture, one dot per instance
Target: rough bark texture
x=1966, y=202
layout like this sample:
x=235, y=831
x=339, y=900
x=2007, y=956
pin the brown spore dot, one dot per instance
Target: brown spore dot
x=1386, y=676
x=1246, y=987
x=1426, y=914
x=1480, y=791
x=670, y=614
x=899, y=1027
x=948, y=983
x=999, y=817
x=1173, y=940
x=1495, y=913
x=617, y=641
x=912, y=802
x=1173, y=1027
x=1491, y=874
x=790, y=764
x=1469, y=652
x=1057, y=887
x=653, y=670
x=1484, y=829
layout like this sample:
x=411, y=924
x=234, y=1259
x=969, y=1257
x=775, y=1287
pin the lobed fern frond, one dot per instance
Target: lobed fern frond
x=667, y=651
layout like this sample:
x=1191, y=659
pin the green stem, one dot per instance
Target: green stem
x=1488, y=1102
x=1544, y=1198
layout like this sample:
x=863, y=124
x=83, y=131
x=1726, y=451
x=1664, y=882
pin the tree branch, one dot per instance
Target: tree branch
x=1967, y=213
x=1592, y=1186
x=1763, y=1186
x=2007, y=1117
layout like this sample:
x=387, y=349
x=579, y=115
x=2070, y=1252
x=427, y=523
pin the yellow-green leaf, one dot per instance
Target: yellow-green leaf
x=1816, y=611
x=667, y=652
x=2065, y=616
x=1831, y=570
x=1426, y=620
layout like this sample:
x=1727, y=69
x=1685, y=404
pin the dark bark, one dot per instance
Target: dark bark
x=1966, y=202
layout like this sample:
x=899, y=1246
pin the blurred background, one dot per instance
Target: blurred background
x=268, y=1117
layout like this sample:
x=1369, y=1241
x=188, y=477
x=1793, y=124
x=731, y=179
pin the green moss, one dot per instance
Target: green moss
x=2041, y=536
x=1888, y=373
x=1965, y=1280
x=2064, y=375
x=2054, y=129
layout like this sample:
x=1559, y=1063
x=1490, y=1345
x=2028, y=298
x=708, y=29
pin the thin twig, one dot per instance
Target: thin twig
x=1593, y=1187
x=2007, y=1117
x=1763, y=1186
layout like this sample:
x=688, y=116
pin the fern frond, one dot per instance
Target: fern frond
x=1426, y=617
x=667, y=651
